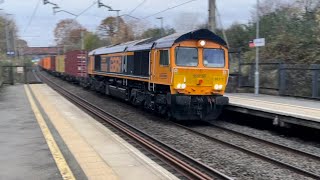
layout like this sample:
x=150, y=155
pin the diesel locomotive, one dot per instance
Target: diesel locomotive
x=182, y=76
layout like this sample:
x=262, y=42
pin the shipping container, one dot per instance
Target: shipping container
x=60, y=64
x=40, y=63
x=76, y=63
x=46, y=63
x=52, y=63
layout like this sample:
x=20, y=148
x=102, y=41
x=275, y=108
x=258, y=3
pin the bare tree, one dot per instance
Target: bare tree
x=8, y=34
x=68, y=34
x=108, y=30
x=137, y=27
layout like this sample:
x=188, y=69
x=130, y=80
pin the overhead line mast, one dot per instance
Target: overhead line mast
x=212, y=16
x=100, y=4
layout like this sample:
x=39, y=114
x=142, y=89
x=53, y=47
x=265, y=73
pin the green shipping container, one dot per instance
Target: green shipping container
x=60, y=65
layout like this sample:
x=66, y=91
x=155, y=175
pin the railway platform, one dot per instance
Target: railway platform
x=44, y=136
x=283, y=110
x=24, y=152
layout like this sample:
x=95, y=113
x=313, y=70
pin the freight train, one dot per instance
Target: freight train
x=182, y=76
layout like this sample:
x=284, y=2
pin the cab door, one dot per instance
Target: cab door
x=161, y=67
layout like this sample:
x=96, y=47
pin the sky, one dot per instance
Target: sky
x=38, y=31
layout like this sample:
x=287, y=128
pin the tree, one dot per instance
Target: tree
x=238, y=36
x=92, y=41
x=156, y=32
x=68, y=34
x=22, y=43
x=108, y=27
x=291, y=30
x=8, y=31
x=108, y=30
x=137, y=27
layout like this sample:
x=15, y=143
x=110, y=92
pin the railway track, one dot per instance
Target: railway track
x=248, y=151
x=184, y=164
x=274, y=144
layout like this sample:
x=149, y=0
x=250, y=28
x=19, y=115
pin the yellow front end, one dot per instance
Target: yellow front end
x=199, y=81
x=199, y=68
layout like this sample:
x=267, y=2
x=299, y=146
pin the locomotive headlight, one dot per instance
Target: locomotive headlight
x=181, y=86
x=202, y=42
x=218, y=87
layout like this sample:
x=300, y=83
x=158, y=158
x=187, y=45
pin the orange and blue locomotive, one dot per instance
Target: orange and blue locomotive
x=183, y=76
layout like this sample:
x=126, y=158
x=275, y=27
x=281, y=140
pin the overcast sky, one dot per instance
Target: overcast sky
x=40, y=30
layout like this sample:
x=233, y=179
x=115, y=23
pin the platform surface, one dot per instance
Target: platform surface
x=101, y=154
x=24, y=151
x=287, y=106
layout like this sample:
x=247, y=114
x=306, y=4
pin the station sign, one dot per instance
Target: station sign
x=10, y=53
x=259, y=42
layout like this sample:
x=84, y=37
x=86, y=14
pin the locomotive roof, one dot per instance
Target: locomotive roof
x=164, y=42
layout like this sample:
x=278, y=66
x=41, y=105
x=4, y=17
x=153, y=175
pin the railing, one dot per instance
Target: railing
x=281, y=79
x=1, y=75
x=11, y=74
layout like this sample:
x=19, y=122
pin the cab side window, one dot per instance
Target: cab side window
x=164, y=57
x=97, y=63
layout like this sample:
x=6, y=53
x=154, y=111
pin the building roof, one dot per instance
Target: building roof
x=164, y=42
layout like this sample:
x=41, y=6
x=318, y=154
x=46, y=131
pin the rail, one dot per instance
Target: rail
x=307, y=154
x=255, y=154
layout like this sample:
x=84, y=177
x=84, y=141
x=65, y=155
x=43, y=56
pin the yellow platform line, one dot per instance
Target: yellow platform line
x=63, y=167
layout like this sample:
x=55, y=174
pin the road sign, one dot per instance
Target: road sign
x=259, y=42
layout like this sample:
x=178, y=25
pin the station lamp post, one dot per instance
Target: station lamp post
x=256, y=83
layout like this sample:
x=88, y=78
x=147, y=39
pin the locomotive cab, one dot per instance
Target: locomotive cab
x=199, y=68
x=198, y=73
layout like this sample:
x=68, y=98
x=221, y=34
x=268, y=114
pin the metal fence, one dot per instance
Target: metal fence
x=1, y=76
x=283, y=79
x=269, y=75
x=11, y=74
x=300, y=80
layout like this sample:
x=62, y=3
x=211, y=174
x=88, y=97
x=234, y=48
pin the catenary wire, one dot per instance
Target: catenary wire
x=168, y=9
x=32, y=16
x=137, y=7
